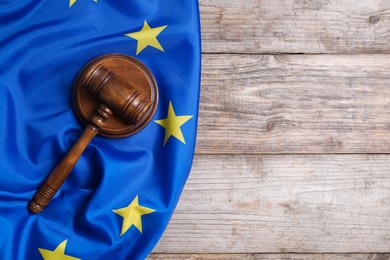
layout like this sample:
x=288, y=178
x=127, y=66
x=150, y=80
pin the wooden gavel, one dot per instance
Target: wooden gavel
x=114, y=95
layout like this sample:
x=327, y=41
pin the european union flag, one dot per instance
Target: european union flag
x=120, y=196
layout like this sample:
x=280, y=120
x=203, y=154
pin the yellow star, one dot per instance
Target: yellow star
x=147, y=37
x=132, y=215
x=71, y=2
x=57, y=254
x=172, y=124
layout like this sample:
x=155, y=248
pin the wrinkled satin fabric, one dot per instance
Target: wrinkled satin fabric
x=43, y=46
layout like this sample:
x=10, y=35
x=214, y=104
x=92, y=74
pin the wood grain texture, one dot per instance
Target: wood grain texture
x=283, y=203
x=291, y=148
x=294, y=104
x=295, y=26
x=270, y=256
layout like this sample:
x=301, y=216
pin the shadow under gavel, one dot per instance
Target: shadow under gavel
x=114, y=95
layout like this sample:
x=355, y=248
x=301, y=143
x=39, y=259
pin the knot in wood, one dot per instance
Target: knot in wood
x=374, y=19
x=270, y=126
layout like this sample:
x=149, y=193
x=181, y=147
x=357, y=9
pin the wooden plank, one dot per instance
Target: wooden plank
x=270, y=256
x=295, y=26
x=283, y=204
x=294, y=104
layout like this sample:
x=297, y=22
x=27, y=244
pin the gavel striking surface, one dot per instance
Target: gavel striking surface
x=134, y=73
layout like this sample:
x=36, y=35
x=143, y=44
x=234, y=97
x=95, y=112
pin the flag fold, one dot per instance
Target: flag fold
x=117, y=201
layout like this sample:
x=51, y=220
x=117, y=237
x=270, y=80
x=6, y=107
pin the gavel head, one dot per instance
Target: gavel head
x=117, y=94
x=124, y=85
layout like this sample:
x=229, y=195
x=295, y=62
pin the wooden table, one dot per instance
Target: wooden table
x=293, y=148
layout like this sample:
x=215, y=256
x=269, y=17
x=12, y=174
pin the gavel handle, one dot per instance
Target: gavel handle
x=58, y=176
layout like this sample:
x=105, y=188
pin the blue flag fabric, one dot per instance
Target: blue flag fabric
x=121, y=194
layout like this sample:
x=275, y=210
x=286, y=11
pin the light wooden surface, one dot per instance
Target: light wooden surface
x=271, y=256
x=295, y=104
x=293, y=148
x=295, y=26
x=283, y=203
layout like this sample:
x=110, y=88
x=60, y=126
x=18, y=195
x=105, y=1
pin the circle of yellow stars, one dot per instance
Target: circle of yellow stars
x=132, y=213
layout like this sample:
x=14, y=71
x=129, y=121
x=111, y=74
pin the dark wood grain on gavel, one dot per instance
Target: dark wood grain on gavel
x=127, y=92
